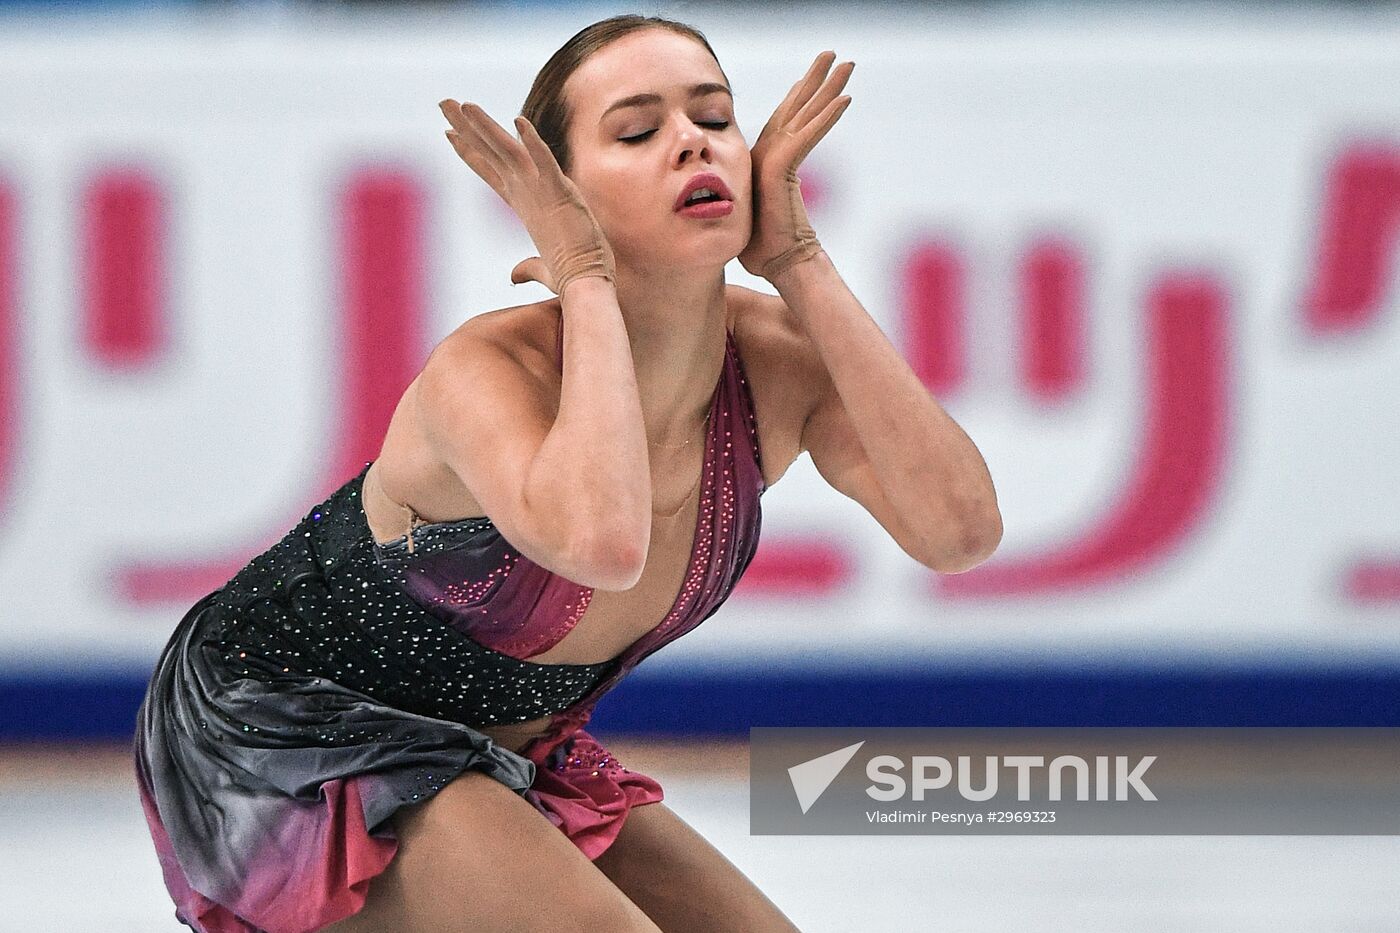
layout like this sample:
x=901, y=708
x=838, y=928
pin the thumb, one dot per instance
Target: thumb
x=532, y=269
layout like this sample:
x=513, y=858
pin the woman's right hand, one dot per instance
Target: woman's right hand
x=528, y=178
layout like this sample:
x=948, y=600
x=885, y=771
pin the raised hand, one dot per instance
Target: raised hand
x=782, y=236
x=528, y=178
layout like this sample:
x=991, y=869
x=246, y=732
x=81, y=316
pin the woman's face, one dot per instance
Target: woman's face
x=632, y=162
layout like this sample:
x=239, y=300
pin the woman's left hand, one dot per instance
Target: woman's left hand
x=782, y=236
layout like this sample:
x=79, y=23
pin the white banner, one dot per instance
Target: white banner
x=1149, y=265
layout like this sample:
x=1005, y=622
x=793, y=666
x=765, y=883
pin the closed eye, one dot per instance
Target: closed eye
x=640, y=137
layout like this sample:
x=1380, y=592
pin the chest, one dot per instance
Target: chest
x=613, y=620
x=703, y=545
x=695, y=553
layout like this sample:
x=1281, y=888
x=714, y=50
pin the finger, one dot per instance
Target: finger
x=539, y=150
x=819, y=127
x=833, y=86
x=451, y=110
x=506, y=147
x=532, y=269
x=466, y=125
x=474, y=158
x=464, y=122
x=797, y=96
x=469, y=121
x=803, y=90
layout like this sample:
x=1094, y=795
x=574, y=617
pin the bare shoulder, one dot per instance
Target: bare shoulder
x=505, y=353
x=524, y=334
x=784, y=371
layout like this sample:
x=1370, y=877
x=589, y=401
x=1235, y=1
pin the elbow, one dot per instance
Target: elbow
x=611, y=562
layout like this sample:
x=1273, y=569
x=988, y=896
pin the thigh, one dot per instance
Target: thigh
x=476, y=856
x=682, y=882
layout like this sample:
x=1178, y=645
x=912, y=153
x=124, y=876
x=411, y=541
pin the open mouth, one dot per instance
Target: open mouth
x=702, y=189
x=704, y=196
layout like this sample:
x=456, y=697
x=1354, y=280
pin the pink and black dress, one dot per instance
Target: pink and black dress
x=334, y=680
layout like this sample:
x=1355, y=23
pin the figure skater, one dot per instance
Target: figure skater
x=377, y=724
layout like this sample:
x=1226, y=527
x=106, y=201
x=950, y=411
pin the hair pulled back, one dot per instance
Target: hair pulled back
x=546, y=107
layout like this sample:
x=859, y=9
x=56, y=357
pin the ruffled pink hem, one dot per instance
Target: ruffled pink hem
x=588, y=793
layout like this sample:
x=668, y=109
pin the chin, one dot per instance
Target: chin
x=695, y=254
x=715, y=246
x=709, y=259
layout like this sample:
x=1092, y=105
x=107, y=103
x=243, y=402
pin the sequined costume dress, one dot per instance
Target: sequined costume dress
x=336, y=679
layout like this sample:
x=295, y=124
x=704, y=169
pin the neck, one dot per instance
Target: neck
x=676, y=326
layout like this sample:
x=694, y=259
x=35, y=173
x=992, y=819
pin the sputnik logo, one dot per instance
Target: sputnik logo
x=810, y=779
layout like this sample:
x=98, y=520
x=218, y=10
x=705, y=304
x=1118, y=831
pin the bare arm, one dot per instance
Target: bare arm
x=571, y=491
x=597, y=450
x=877, y=434
x=873, y=430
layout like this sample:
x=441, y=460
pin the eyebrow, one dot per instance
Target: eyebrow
x=698, y=90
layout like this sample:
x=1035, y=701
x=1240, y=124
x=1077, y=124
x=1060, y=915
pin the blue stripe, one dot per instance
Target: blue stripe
x=36, y=707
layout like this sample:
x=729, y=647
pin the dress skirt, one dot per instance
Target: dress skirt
x=268, y=791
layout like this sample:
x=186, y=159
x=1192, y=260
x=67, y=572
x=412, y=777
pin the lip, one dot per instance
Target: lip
x=703, y=180
x=708, y=210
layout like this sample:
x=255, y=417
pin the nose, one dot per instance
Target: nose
x=693, y=142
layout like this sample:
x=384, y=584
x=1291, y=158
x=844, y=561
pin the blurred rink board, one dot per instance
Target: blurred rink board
x=1147, y=260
